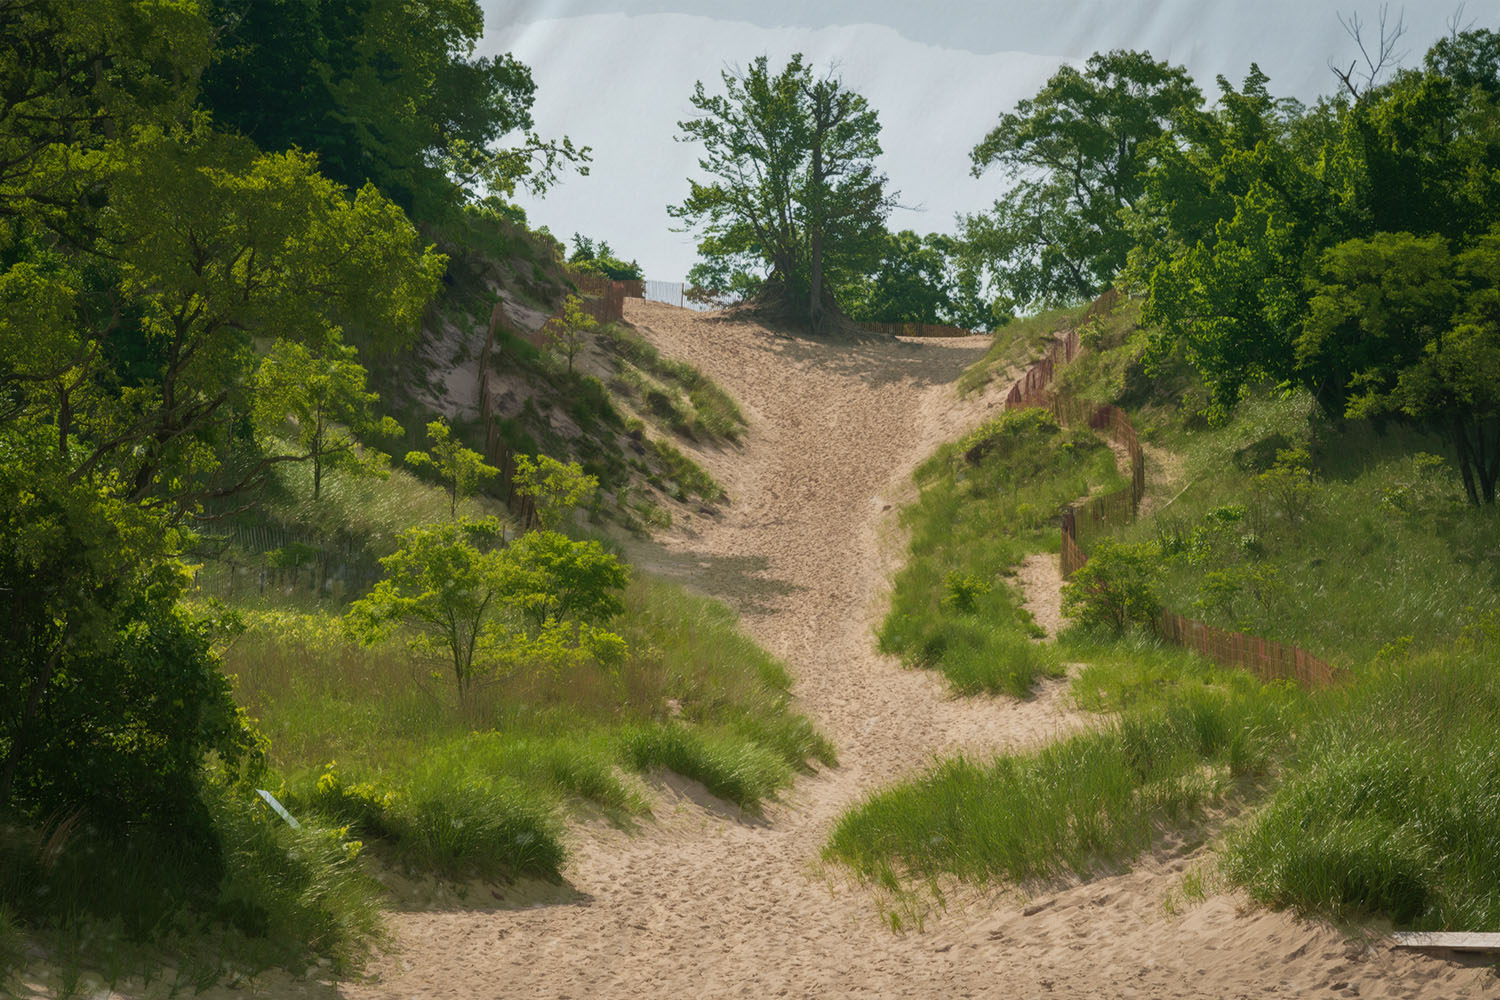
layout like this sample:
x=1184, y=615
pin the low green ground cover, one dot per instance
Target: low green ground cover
x=1375, y=798
x=987, y=502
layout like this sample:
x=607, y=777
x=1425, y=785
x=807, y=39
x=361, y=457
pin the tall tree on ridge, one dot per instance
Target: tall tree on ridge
x=795, y=205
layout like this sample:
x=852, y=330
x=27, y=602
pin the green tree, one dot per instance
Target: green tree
x=569, y=332
x=443, y=590
x=1243, y=205
x=599, y=258
x=111, y=695
x=550, y=577
x=1078, y=152
x=142, y=256
x=555, y=488
x=386, y=92
x=920, y=279
x=794, y=206
x=534, y=605
x=1399, y=325
x=325, y=397
x=459, y=469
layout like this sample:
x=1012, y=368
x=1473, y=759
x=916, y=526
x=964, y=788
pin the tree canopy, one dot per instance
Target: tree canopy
x=1345, y=247
x=387, y=92
x=793, y=206
x=1078, y=153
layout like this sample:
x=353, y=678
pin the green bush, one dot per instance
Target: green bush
x=1116, y=589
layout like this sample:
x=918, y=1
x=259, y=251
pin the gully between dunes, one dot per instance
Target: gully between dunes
x=704, y=902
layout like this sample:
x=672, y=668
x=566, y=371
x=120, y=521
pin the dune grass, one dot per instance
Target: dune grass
x=1081, y=806
x=986, y=502
x=373, y=740
x=1392, y=808
x=1378, y=798
x=708, y=411
x=1017, y=343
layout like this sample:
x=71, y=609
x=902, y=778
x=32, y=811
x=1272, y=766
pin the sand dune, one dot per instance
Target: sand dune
x=706, y=903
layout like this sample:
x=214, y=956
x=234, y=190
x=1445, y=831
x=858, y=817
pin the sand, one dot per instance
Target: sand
x=705, y=902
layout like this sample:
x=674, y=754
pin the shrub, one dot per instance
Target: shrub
x=1116, y=589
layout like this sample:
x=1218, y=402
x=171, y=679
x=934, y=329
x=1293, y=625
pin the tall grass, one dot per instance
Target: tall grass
x=1075, y=808
x=1394, y=806
x=480, y=785
x=261, y=894
x=986, y=502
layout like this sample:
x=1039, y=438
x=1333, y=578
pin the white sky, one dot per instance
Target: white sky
x=617, y=74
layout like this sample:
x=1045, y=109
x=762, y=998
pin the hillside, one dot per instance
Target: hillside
x=713, y=902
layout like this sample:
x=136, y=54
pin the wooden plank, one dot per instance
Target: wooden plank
x=1446, y=941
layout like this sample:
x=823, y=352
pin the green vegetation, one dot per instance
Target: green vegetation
x=1357, y=544
x=459, y=469
x=987, y=502
x=555, y=488
x=569, y=331
x=599, y=258
x=1080, y=152
x=1392, y=802
x=190, y=327
x=713, y=412
x=389, y=94
x=921, y=279
x=689, y=693
x=1077, y=807
x=815, y=218
x=1319, y=319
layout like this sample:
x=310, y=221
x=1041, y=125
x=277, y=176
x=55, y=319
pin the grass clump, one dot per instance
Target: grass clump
x=741, y=771
x=683, y=477
x=1394, y=806
x=987, y=501
x=1076, y=807
x=708, y=412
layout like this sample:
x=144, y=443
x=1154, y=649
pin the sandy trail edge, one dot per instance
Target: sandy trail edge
x=707, y=904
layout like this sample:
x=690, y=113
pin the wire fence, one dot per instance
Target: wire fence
x=1266, y=658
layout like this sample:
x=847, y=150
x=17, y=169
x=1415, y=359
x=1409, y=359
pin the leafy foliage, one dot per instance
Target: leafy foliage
x=1079, y=152
x=569, y=332
x=599, y=258
x=459, y=469
x=921, y=279
x=793, y=192
x=488, y=612
x=1115, y=589
x=385, y=93
x=556, y=488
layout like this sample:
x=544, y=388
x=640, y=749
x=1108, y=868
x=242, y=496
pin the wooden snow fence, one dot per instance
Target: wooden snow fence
x=1265, y=658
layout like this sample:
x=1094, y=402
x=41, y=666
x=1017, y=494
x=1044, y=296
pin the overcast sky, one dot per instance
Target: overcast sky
x=616, y=75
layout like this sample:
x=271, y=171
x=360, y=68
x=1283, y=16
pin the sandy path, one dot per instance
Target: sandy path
x=703, y=903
